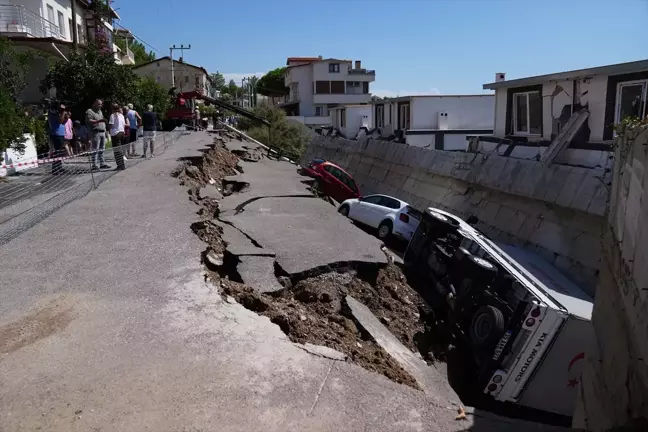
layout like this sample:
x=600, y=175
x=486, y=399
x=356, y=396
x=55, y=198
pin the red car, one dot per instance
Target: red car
x=334, y=182
x=308, y=169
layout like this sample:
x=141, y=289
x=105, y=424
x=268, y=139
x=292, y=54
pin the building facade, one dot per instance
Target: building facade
x=531, y=113
x=441, y=122
x=187, y=77
x=316, y=85
x=46, y=26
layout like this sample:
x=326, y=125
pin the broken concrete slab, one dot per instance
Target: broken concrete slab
x=258, y=273
x=290, y=226
x=432, y=381
x=323, y=351
x=239, y=245
x=214, y=259
x=210, y=191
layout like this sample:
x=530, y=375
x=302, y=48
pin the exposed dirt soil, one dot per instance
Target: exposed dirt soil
x=314, y=311
x=312, y=308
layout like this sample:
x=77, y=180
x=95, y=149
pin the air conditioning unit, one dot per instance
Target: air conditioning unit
x=500, y=76
x=442, y=120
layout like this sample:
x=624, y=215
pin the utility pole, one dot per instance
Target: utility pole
x=75, y=35
x=243, y=89
x=174, y=48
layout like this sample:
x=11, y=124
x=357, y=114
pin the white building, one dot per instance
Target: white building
x=350, y=119
x=317, y=85
x=442, y=122
x=531, y=112
x=188, y=77
x=46, y=26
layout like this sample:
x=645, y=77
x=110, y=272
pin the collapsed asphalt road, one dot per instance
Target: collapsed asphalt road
x=283, y=253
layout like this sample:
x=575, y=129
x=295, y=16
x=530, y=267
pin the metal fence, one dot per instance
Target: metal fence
x=17, y=19
x=33, y=189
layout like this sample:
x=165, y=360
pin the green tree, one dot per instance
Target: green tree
x=272, y=83
x=138, y=49
x=89, y=75
x=149, y=92
x=288, y=137
x=13, y=68
x=218, y=80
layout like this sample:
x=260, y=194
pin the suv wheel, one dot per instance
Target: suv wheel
x=384, y=229
x=344, y=210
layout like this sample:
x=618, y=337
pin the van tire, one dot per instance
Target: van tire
x=487, y=326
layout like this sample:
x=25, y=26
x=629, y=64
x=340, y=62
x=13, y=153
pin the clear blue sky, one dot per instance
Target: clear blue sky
x=424, y=46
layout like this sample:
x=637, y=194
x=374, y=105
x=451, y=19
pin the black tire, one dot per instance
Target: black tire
x=344, y=210
x=487, y=326
x=385, y=229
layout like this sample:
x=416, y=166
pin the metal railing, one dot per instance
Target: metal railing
x=20, y=20
x=33, y=189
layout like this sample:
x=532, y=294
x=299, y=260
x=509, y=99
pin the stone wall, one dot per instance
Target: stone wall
x=555, y=210
x=614, y=391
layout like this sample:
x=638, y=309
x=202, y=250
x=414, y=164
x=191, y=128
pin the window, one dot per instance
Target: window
x=404, y=116
x=198, y=82
x=80, y=34
x=157, y=79
x=337, y=87
x=365, y=88
x=343, y=117
x=157, y=64
x=186, y=79
x=380, y=115
x=322, y=87
x=390, y=114
x=353, y=87
x=61, y=23
x=50, y=14
x=320, y=111
x=390, y=202
x=334, y=67
x=347, y=181
x=372, y=199
x=70, y=27
x=527, y=113
x=631, y=100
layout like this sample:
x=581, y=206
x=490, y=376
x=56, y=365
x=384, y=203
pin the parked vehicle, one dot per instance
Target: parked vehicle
x=390, y=216
x=333, y=181
x=307, y=170
x=527, y=326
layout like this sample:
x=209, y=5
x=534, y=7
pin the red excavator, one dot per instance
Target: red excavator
x=184, y=111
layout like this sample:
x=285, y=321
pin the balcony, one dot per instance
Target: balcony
x=361, y=71
x=341, y=98
x=127, y=57
x=17, y=20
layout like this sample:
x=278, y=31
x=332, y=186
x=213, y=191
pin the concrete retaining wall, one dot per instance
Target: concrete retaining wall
x=556, y=210
x=614, y=387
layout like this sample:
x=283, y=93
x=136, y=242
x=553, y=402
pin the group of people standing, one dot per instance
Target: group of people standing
x=121, y=126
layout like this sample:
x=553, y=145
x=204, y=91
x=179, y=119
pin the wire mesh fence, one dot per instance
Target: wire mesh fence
x=32, y=190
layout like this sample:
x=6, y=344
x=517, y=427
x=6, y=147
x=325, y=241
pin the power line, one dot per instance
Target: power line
x=140, y=39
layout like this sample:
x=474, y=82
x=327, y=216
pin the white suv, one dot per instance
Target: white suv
x=389, y=215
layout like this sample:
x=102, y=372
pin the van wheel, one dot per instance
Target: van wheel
x=487, y=325
x=384, y=229
x=344, y=210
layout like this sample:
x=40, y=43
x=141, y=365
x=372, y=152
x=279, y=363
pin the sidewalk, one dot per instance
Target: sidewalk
x=107, y=324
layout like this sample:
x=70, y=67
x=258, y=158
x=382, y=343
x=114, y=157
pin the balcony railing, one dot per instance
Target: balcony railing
x=352, y=71
x=16, y=19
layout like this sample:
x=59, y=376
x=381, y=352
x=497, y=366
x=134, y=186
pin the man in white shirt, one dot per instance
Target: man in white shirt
x=117, y=126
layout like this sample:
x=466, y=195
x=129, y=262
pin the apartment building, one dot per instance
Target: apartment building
x=317, y=85
x=187, y=77
x=47, y=26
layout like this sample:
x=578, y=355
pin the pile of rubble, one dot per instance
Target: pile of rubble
x=311, y=309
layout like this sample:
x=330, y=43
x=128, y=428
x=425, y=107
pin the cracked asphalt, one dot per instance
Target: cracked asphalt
x=107, y=323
